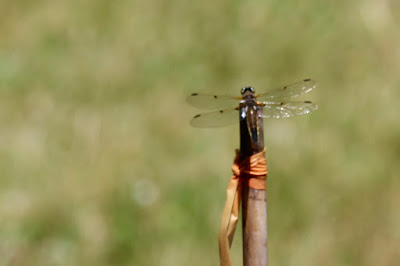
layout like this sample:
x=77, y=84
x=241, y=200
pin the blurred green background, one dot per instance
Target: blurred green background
x=98, y=163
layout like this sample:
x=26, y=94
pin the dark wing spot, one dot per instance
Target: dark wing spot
x=215, y=96
x=196, y=116
x=285, y=88
x=307, y=101
x=221, y=111
x=307, y=80
x=194, y=94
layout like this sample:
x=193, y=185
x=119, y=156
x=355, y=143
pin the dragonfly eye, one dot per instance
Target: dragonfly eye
x=245, y=89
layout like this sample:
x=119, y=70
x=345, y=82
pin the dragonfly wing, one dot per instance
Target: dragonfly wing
x=210, y=102
x=289, y=91
x=288, y=109
x=216, y=119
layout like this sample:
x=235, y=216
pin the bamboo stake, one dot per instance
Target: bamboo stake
x=254, y=206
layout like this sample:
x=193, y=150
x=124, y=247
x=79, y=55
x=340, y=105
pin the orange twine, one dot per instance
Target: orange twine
x=252, y=171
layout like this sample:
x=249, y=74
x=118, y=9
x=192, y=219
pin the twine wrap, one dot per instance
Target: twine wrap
x=252, y=171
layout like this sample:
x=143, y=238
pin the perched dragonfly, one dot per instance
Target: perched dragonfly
x=271, y=104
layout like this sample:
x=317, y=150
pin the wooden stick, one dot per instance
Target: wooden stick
x=254, y=206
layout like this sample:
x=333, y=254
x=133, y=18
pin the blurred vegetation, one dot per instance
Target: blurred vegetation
x=99, y=165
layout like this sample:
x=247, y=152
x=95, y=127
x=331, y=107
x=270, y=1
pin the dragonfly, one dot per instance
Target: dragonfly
x=275, y=103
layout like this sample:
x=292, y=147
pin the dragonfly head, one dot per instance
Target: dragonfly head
x=247, y=89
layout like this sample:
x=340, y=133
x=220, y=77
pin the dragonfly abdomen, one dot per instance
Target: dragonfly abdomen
x=250, y=112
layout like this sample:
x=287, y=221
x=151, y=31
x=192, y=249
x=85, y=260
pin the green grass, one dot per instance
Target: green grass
x=98, y=163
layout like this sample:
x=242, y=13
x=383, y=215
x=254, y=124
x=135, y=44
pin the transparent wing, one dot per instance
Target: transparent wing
x=288, y=109
x=219, y=118
x=210, y=102
x=289, y=91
